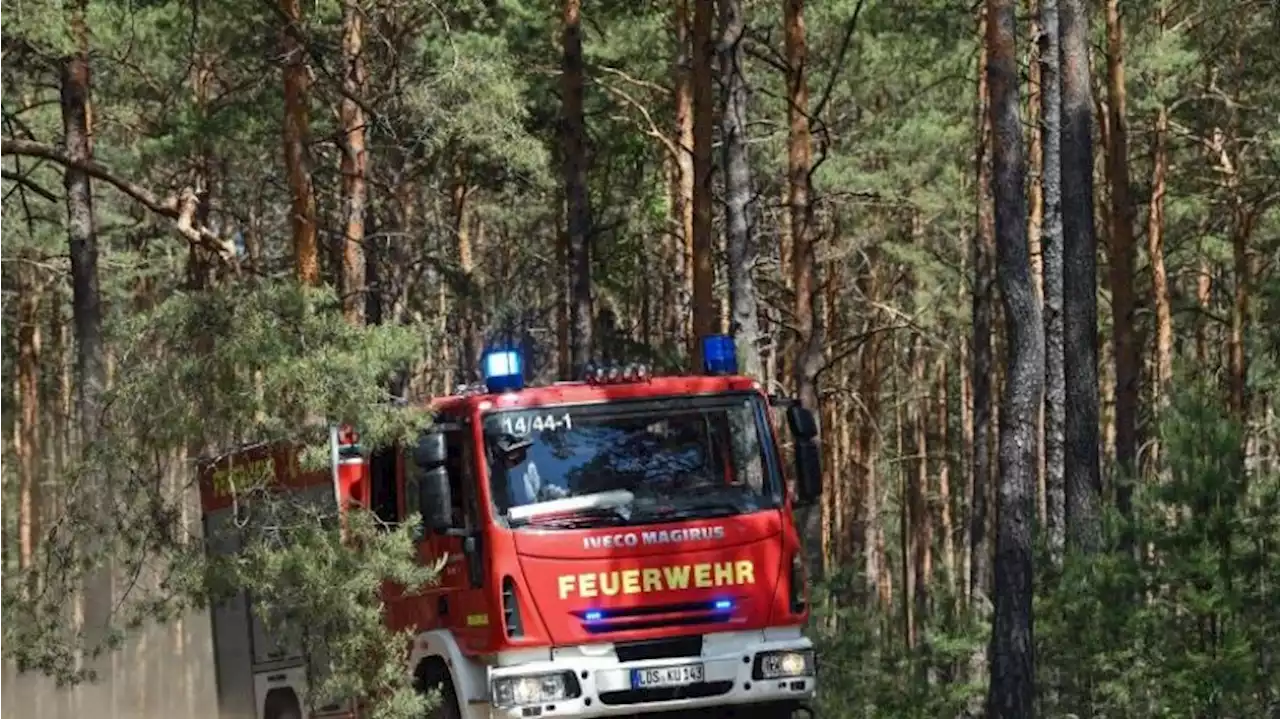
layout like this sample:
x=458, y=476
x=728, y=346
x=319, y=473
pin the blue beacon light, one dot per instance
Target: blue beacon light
x=503, y=370
x=724, y=605
x=719, y=355
x=594, y=616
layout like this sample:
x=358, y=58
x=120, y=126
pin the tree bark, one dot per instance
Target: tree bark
x=86, y=307
x=683, y=76
x=1079, y=283
x=467, y=307
x=1035, y=223
x=744, y=311
x=1123, y=296
x=581, y=313
x=355, y=163
x=705, y=319
x=945, y=522
x=983, y=260
x=1163, y=360
x=1012, y=688
x=27, y=445
x=1051, y=247
x=919, y=492
x=867, y=524
x=297, y=136
x=799, y=161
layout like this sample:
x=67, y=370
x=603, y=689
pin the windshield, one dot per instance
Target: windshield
x=631, y=462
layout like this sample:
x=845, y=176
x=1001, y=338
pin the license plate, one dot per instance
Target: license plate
x=666, y=676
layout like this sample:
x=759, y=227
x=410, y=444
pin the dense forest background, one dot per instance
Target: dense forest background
x=1021, y=258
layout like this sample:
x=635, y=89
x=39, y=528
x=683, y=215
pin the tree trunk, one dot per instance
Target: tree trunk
x=983, y=260
x=86, y=308
x=867, y=525
x=355, y=163
x=744, y=312
x=575, y=183
x=1159, y=277
x=564, y=278
x=705, y=319
x=683, y=76
x=919, y=494
x=1051, y=247
x=1035, y=161
x=1079, y=283
x=1012, y=688
x=1035, y=223
x=297, y=136
x=27, y=445
x=1127, y=361
x=799, y=160
x=467, y=307
x=945, y=523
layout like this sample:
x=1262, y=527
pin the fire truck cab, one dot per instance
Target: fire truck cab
x=622, y=544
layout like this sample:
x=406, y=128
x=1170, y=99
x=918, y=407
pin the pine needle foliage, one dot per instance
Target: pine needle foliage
x=197, y=375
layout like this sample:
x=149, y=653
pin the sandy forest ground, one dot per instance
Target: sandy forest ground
x=164, y=672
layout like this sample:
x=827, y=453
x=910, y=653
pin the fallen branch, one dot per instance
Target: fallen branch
x=180, y=208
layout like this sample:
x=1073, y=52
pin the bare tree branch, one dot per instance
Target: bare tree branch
x=180, y=208
x=29, y=184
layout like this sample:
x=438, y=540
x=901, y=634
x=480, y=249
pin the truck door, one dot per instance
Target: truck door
x=464, y=606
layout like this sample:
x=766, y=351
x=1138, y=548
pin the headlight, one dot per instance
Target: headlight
x=783, y=664
x=534, y=689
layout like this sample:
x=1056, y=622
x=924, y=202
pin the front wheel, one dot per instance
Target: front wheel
x=446, y=706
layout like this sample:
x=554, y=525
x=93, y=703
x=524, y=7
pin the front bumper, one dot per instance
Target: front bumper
x=605, y=682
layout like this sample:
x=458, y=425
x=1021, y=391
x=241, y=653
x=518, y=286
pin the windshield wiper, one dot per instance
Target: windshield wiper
x=589, y=517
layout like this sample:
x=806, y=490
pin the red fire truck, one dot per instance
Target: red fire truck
x=622, y=544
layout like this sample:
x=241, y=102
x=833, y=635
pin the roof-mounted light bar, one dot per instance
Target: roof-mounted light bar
x=615, y=374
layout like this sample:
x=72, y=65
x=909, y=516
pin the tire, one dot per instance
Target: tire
x=282, y=706
x=447, y=705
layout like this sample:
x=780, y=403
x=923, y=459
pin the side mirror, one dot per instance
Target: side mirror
x=435, y=502
x=430, y=451
x=802, y=422
x=804, y=427
x=808, y=472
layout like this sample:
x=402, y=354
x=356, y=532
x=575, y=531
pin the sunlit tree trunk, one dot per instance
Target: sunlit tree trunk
x=1163, y=359
x=1012, y=688
x=355, y=163
x=297, y=135
x=27, y=444
x=799, y=162
x=1035, y=222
